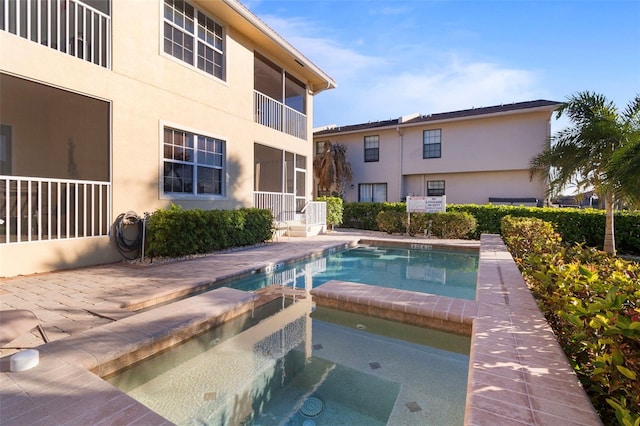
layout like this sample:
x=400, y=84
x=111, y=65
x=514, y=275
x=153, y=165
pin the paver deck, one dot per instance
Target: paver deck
x=518, y=374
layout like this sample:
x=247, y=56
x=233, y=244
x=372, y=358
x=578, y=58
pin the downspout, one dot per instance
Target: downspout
x=400, y=133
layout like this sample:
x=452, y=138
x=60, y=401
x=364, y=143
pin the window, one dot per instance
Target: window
x=193, y=164
x=371, y=148
x=320, y=147
x=193, y=37
x=435, y=188
x=372, y=192
x=431, y=143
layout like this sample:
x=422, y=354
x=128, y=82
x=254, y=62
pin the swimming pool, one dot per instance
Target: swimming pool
x=442, y=272
x=286, y=366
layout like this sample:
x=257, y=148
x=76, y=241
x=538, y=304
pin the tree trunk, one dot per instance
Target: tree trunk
x=609, y=235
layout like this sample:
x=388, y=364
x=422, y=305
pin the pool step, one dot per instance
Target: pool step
x=422, y=309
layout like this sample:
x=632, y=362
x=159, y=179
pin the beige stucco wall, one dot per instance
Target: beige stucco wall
x=478, y=187
x=145, y=90
x=481, y=157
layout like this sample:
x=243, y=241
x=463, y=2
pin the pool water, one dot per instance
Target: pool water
x=287, y=366
x=442, y=272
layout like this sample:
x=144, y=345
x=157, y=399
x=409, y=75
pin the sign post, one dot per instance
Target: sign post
x=425, y=205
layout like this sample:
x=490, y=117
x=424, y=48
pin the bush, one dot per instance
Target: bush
x=175, y=232
x=592, y=302
x=334, y=210
x=529, y=236
x=453, y=224
x=391, y=222
x=574, y=225
x=441, y=225
x=364, y=215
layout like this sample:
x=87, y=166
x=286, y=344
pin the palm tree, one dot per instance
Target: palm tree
x=624, y=168
x=584, y=153
x=625, y=165
x=331, y=169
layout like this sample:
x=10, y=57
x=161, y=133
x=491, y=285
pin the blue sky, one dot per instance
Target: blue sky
x=394, y=58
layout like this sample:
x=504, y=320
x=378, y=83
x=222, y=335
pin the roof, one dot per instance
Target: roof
x=416, y=119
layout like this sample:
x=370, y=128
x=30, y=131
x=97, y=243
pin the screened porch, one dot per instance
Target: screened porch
x=54, y=163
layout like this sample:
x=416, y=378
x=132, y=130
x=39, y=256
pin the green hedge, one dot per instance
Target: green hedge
x=441, y=225
x=574, y=225
x=334, y=210
x=175, y=232
x=363, y=215
x=592, y=302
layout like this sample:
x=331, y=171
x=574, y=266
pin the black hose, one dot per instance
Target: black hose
x=129, y=247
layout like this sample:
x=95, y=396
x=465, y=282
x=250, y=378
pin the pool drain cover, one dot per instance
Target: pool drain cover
x=312, y=407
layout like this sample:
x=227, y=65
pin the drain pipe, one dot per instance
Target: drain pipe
x=401, y=134
x=144, y=231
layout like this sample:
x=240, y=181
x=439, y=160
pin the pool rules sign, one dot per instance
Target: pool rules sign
x=426, y=204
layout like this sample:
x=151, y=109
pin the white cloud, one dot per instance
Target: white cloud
x=450, y=86
x=458, y=86
x=340, y=62
x=412, y=78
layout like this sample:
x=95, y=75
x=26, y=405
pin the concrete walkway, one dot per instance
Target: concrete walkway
x=72, y=301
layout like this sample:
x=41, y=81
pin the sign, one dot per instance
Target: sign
x=436, y=204
x=416, y=204
x=426, y=204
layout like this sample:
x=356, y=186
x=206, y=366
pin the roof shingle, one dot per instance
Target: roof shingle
x=541, y=103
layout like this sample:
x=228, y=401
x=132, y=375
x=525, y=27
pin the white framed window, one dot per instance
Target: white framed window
x=435, y=188
x=193, y=37
x=431, y=143
x=371, y=148
x=372, y=192
x=193, y=164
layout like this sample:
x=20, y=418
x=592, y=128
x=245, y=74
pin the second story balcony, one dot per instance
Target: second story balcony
x=78, y=28
x=271, y=113
x=279, y=99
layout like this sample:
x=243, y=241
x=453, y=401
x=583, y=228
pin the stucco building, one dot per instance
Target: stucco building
x=477, y=156
x=114, y=106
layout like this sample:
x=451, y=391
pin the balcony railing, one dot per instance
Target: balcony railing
x=275, y=114
x=315, y=213
x=34, y=209
x=283, y=206
x=68, y=26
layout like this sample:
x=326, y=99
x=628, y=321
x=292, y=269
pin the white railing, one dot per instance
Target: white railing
x=35, y=209
x=315, y=213
x=68, y=26
x=283, y=206
x=276, y=115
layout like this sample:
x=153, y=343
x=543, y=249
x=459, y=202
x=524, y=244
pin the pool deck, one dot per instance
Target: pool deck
x=518, y=373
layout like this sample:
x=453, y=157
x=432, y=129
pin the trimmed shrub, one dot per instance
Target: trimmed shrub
x=391, y=222
x=453, y=224
x=526, y=235
x=574, y=225
x=441, y=225
x=334, y=210
x=363, y=215
x=175, y=232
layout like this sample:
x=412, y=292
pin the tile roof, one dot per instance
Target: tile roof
x=504, y=108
